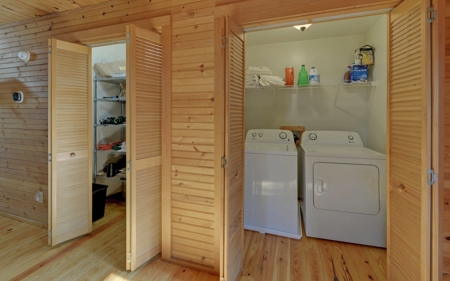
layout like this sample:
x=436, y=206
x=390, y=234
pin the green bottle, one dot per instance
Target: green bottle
x=303, y=77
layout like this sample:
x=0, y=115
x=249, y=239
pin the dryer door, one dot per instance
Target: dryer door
x=353, y=188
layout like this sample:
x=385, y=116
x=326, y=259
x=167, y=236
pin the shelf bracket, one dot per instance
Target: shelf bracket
x=275, y=97
x=336, y=96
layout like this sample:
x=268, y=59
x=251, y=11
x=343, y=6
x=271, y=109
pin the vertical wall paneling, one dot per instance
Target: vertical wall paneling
x=234, y=151
x=144, y=138
x=446, y=215
x=70, y=142
x=409, y=143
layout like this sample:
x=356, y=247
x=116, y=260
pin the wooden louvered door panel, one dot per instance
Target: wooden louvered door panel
x=409, y=108
x=70, y=141
x=144, y=113
x=234, y=151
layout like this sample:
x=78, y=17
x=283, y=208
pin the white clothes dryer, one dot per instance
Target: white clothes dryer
x=344, y=188
x=270, y=204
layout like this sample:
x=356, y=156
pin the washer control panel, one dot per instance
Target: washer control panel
x=331, y=138
x=270, y=136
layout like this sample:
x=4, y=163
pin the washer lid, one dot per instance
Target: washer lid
x=341, y=152
x=266, y=148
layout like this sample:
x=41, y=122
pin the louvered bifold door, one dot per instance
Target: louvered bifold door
x=409, y=141
x=234, y=151
x=144, y=112
x=70, y=141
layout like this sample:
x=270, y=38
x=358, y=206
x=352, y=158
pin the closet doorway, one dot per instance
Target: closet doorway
x=70, y=136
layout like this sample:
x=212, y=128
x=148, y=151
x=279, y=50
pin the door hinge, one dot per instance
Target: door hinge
x=432, y=177
x=128, y=37
x=49, y=234
x=49, y=49
x=128, y=166
x=224, y=162
x=224, y=42
x=432, y=14
x=49, y=157
x=128, y=257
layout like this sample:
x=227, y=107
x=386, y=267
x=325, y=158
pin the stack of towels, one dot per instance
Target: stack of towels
x=261, y=76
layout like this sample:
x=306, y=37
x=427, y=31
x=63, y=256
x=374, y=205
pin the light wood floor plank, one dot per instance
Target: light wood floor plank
x=101, y=256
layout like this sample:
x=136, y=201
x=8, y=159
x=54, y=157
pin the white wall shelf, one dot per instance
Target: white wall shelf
x=112, y=80
x=110, y=99
x=111, y=151
x=106, y=125
x=311, y=88
x=98, y=127
x=319, y=86
x=118, y=178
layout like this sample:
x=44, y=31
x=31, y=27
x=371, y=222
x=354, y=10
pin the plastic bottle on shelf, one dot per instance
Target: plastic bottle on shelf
x=347, y=75
x=314, y=77
x=351, y=72
x=303, y=76
x=289, y=72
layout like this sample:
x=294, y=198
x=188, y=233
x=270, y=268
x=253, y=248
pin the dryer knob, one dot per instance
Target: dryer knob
x=283, y=135
x=253, y=134
x=260, y=134
x=350, y=137
x=312, y=136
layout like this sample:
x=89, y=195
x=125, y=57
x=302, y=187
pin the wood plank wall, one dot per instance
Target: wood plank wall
x=193, y=224
x=446, y=238
x=23, y=152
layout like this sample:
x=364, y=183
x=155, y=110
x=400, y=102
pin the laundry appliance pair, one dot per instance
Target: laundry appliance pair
x=343, y=186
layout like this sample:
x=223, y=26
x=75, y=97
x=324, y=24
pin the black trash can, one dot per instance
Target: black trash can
x=98, y=201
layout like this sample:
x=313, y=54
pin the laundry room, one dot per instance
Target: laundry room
x=332, y=104
x=334, y=162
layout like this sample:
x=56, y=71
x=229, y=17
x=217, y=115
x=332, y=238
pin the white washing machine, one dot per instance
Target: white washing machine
x=344, y=188
x=271, y=191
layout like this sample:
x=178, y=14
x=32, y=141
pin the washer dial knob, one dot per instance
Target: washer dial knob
x=253, y=134
x=350, y=137
x=260, y=134
x=312, y=136
x=283, y=135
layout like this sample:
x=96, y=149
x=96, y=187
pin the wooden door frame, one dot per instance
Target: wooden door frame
x=437, y=138
x=438, y=101
x=115, y=34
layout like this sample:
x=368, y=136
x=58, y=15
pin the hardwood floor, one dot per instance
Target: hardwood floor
x=25, y=255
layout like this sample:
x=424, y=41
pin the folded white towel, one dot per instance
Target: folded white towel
x=266, y=80
x=251, y=81
x=258, y=70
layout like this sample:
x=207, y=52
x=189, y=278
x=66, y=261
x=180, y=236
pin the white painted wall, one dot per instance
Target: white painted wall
x=313, y=108
x=361, y=110
x=377, y=103
x=107, y=109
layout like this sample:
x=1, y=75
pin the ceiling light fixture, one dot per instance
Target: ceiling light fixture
x=302, y=27
x=273, y=26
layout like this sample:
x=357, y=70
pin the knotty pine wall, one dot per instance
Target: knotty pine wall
x=23, y=158
x=446, y=237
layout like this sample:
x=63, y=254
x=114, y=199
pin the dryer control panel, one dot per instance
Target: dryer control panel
x=270, y=136
x=331, y=138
